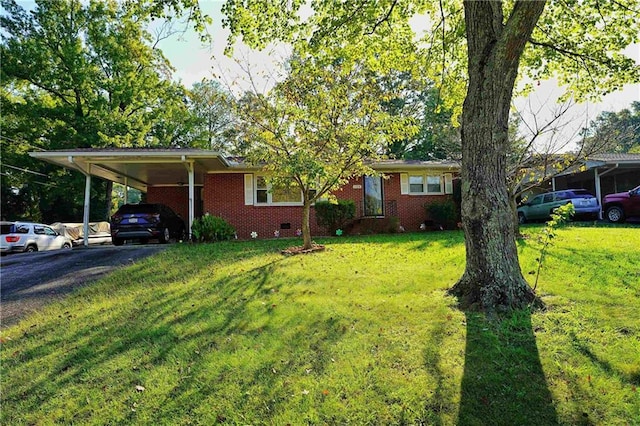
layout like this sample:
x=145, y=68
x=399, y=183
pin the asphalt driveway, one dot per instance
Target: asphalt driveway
x=28, y=281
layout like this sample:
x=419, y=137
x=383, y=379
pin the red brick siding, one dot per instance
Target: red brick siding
x=224, y=196
x=176, y=197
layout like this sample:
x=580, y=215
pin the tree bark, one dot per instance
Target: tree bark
x=492, y=280
x=306, y=229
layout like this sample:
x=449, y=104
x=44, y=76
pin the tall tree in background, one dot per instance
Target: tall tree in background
x=212, y=116
x=476, y=57
x=78, y=75
x=618, y=131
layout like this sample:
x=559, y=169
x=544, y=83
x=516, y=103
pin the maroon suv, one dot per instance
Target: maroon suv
x=622, y=205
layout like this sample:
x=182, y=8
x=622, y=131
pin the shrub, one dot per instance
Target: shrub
x=212, y=228
x=444, y=213
x=332, y=216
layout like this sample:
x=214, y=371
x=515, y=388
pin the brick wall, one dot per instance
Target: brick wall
x=176, y=197
x=223, y=196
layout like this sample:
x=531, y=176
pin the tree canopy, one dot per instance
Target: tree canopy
x=618, y=132
x=78, y=75
x=323, y=124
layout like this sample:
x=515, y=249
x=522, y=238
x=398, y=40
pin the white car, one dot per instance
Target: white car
x=30, y=237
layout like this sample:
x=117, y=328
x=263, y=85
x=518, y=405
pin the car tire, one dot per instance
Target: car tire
x=615, y=214
x=66, y=246
x=165, y=236
x=31, y=248
x=521, y=218
x=117, y=241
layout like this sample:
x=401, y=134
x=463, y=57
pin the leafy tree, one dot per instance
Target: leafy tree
x=314, y=130
x=80, y=75
x=579, y=43
x=618, y=131
x=212, y=114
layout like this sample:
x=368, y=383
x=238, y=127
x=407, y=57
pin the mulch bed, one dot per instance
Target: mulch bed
x=292, y=251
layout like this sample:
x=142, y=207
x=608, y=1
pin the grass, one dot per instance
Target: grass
x=362, y=333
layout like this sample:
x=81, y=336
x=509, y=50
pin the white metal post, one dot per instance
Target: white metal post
x=126, y=190
x=191, y=197
x=87, y=202
x=598, y=191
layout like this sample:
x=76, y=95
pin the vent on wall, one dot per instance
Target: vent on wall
x=285, y=226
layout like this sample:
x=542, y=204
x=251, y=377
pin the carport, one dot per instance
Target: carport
x=602, y=174
x=140, y=169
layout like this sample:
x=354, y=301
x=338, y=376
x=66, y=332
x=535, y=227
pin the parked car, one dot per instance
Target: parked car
x=542, y=206
x=144, y=222
x=618, y=207
x=30, y=237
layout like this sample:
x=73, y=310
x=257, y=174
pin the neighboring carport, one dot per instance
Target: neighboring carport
x=139, y=168
x=602, y=174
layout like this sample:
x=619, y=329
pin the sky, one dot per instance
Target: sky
x=194, y=62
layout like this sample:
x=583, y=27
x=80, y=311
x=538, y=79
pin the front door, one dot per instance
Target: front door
x=373, y=197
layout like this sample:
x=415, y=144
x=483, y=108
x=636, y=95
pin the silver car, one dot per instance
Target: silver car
x=30, y=237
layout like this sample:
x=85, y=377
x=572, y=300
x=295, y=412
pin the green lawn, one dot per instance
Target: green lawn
x=362, y=333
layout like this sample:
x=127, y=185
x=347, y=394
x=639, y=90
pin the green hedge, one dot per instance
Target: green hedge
x=333, y=216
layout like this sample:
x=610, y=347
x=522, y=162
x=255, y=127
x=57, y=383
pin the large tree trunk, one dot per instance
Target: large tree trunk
x=492, y=280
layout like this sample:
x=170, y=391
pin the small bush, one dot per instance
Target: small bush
x=334, y=216
x=444, y=213
x=209, y=229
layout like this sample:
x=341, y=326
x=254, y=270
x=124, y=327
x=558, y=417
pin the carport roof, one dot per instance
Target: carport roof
x=140, y=167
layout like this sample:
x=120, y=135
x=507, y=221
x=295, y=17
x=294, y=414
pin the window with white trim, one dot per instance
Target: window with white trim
x=416, y=184
x=434, y=185
x=426, y=184
x=266, y=195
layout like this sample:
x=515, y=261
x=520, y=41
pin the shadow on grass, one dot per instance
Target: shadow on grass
x=503, y=382
x=179, y=329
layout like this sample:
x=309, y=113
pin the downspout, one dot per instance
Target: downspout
x=87, y=199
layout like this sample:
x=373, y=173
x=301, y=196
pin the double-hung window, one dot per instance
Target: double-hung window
x=416, y=184
x=426, y=183
x=260, y=193
x=434, y=185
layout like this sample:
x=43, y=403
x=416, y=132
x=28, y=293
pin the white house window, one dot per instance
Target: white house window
x=434, y=185
x=262, y=190
x=426, y=184
x=416, y=184
x=266, y=195
x=286, y=195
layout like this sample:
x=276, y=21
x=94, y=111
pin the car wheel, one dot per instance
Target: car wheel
x=521, y=218
x=615, y=214
x=66, y=246
x=164, y=238
x=117, y=241
x=31, y=248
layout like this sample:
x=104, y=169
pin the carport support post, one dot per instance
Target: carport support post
x=191, y=197
x=598, y=191
x=87, y=199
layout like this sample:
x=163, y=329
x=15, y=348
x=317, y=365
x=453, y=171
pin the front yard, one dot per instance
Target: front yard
x=362, y=333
